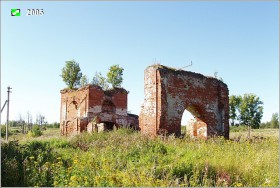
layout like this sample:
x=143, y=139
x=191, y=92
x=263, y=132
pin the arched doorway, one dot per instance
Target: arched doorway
x=195, y=126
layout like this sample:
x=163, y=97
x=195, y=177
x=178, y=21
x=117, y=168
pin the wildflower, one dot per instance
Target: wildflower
x=55, y=183
x=73, y=178
x=31, y=157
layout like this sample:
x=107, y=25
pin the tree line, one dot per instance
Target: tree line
x=74, y=78
x=27, y=124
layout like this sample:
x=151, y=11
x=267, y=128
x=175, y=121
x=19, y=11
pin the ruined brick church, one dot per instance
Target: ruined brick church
x=92, y=109
x=168, y=92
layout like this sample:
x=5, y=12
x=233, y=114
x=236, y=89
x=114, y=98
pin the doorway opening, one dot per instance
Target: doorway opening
x=187, y=122
x=192, y=122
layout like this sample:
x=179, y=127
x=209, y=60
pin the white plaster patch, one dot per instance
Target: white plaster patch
x=121, y=111
x=100, y=127
x=202, y=131
x=64, y=112
x=95, y=109
x=189, y=127
x=78, y=112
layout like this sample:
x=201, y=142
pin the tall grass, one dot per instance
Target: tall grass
x=126, y=158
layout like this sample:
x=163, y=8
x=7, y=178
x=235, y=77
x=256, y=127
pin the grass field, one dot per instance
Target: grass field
x=126, y=158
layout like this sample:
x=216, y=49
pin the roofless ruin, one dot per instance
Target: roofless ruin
x=92, y=109
x=168, y=92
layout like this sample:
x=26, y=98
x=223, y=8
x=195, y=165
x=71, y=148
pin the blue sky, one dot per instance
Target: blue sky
x=239, y=40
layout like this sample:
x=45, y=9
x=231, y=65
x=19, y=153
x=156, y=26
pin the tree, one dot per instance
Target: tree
x=21, y=123
x=40, y=120
x=71, y=74
x=99, y=80
x=274, y=123
x=251, y=110
x=234, y=103
x=29, y=120
x=114, y=76
x=84, y=80
x=216, y=76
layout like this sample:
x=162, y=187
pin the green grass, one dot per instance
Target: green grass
x=127, y=158
x=50, y=133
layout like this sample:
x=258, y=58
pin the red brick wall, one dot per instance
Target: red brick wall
x=169, y=92
x=80, y=107
x=74, y=105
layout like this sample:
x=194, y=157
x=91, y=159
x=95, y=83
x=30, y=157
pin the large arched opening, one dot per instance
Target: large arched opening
x=193, y=122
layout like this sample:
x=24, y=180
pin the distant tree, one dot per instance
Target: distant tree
x=29, y=120
x=71, y=74
x=21, y=123
x=84, y=81
x=274, y=123
x=114, y=76
x=40, y=120
x=99, y=80
x=95, y=79
x=251, y=110
x=234, y=104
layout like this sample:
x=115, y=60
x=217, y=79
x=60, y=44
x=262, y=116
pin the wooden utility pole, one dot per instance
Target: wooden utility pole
x=8, y=105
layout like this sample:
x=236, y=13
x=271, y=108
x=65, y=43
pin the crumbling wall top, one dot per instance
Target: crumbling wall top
x=179, y=71
x=115, y=90
x=109, y=92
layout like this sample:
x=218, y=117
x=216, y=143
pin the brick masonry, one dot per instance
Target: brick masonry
x=92, y=109
x=168, y=92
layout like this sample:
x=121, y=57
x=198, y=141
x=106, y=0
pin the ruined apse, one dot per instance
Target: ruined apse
x=168, y=92
x=92, y=109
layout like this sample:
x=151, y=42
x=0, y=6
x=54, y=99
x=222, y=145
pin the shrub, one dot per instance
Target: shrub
x=36, y=131
x=240, y=128
x=3, y=131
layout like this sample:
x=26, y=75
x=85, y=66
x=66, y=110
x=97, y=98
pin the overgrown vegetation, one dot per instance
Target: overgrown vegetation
x=273, y=123
x=74, y=78
x=126, y=158
x=245, y=110
x=36, y=131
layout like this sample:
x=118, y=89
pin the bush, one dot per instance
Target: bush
x=53, y=125
x=240, y=128
x=36, y=131
x=3, y=131
x=26, y=165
